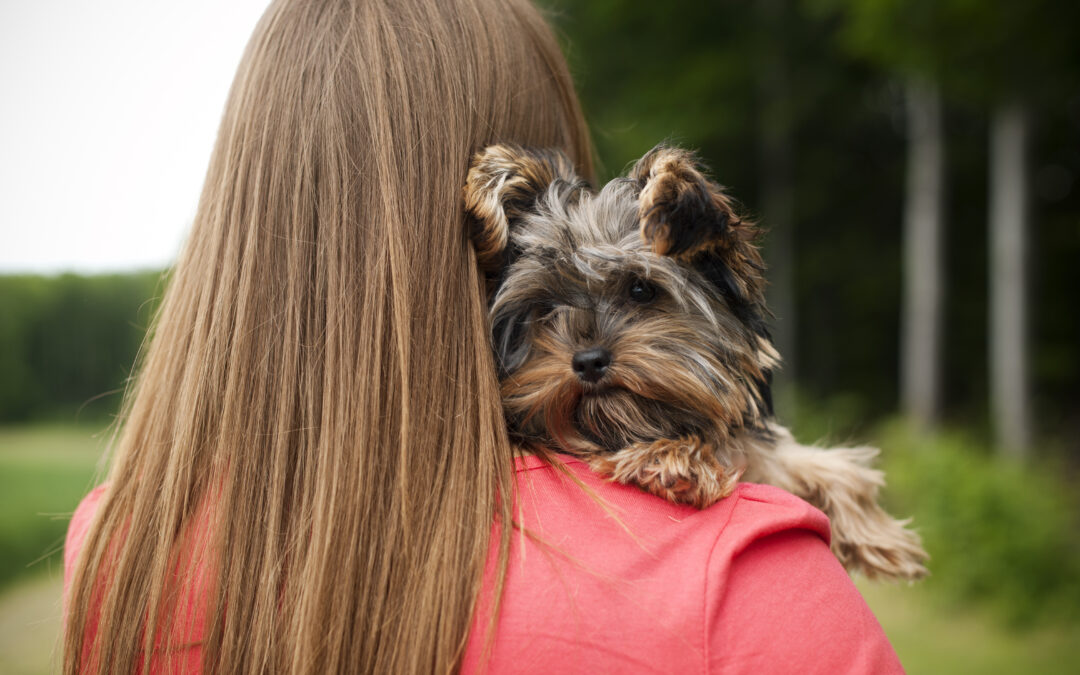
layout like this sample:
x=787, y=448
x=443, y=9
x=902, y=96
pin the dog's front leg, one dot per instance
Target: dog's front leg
x=681, y=470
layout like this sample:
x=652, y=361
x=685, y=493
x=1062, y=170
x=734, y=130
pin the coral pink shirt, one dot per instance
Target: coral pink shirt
x=745, y=586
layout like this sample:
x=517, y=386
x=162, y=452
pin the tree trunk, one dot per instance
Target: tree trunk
x=920, y=364
x=777, y=200
x=1008, y=293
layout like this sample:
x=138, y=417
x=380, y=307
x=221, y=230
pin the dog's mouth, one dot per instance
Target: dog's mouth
x=600, y=417
x=614, y=417
x=601, y=389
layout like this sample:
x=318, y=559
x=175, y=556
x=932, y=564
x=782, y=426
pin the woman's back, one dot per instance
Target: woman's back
x=620, y=581
x=320, y=364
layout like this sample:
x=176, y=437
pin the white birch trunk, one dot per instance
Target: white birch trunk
x=920, y=363
x=1008, y=217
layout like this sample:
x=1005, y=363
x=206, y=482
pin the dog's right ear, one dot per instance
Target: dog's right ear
x=503, y=184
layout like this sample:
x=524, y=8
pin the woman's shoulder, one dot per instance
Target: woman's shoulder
x=78, y=527
x=762, y=510
x=603, y=576
x=752, y=510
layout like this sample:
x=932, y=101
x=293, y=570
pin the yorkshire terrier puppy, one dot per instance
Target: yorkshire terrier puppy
x=629, y=326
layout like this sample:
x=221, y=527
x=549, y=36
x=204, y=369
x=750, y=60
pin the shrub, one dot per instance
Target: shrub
x=997, y=531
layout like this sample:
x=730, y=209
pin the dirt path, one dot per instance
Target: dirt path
x=30, y=626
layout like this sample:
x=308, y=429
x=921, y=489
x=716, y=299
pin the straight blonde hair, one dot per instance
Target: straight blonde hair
x=317, y=398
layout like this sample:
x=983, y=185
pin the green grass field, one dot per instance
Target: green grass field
x=45, y=470
x=932, y=637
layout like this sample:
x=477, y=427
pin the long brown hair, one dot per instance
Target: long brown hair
x=319, y=382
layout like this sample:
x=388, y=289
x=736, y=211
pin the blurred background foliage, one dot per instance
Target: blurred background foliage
x=807, y=99
x=67, y=343
x=805, y=110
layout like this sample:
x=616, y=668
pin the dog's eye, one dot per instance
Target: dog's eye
x=642, y=292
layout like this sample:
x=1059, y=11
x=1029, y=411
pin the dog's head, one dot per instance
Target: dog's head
x=626, y=315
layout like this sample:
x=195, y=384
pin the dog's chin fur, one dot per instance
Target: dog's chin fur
x=614, y=418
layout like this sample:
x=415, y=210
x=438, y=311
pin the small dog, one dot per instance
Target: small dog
x=630, y=330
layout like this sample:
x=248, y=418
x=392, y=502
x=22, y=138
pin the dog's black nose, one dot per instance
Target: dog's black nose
x=591, y=364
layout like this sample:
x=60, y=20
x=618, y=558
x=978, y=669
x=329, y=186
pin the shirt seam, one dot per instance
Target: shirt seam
x=705, y=642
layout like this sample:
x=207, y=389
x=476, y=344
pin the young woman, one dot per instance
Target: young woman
x=312, y=457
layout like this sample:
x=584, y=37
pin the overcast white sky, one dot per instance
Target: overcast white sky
x=108, y=113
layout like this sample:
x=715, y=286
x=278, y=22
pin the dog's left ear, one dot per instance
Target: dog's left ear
x=685, y=215
x=504, y=183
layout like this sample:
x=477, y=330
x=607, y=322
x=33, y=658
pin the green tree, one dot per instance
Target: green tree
x=1009, y=58
x=67, y=343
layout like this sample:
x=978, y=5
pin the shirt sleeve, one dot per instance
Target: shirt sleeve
x=189, y=626
x=76, y=534
x=782, y=603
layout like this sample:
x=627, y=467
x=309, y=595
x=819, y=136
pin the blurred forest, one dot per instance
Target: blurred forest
x=916, y=164
x=804, y=110
x=68, y=343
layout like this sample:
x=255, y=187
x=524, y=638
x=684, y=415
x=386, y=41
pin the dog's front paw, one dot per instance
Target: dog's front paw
x=680, y=470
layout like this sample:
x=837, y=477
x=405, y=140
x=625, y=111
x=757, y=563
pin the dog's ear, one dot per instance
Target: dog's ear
x=683, y=213
x=504, y=183
x=687, y=216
